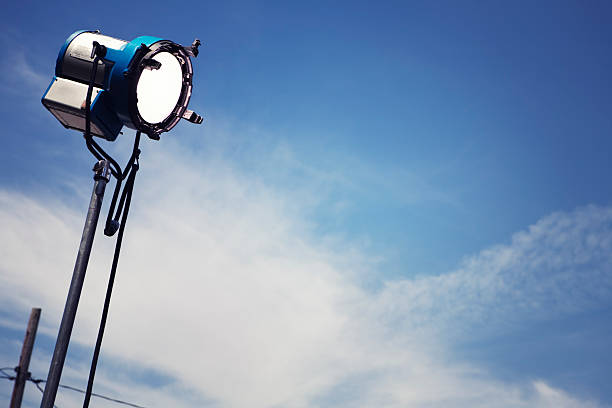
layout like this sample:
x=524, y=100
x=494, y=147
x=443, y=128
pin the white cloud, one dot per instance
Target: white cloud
x=20, y=76
x=560, y=265
x=549, y=397
x=223, y=286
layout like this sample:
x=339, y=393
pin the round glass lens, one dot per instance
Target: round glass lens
x=158, y=90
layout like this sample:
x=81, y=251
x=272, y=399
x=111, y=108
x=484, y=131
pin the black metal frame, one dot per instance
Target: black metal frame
x=143, y=59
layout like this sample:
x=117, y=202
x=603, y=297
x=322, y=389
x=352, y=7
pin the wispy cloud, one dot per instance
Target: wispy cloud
x=21, y=78
x=561, y=265
x=223, y=272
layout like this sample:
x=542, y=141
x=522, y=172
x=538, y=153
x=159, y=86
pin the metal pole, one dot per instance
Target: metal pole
x=101, y=177
x=24, y=359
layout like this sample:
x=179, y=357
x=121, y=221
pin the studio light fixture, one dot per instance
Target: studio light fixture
x=144, y=84
x=102, y=84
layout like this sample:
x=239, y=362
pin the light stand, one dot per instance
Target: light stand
x=101, y=177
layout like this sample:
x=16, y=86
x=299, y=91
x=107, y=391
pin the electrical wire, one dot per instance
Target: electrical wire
x=7, y=368
x=37, y=381
x=42, y=391
x=98, y=53
x=112, y=223
x=118, y=401
x=124, y=205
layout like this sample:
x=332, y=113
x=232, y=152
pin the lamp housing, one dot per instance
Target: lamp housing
x=144, y=84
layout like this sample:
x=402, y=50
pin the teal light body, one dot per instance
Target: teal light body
x=115, y=105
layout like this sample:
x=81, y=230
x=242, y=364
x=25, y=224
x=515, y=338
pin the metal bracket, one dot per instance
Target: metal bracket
x=151, y=64
x=193, y=49
x=99, y=50
x=102, y=170
x=192, y=117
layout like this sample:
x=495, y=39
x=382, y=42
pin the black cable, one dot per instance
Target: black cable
x=43, y=391
x=104, y=397
x=115, y=168
x=37, y=381
x=126, y=199
x=68, y=387
x=28, y=379
x=94, y=147
x=6, y=368
x=5, y=375
x=112, y=223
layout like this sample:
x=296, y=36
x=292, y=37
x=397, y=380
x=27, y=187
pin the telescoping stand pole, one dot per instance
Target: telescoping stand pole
x=101, y=177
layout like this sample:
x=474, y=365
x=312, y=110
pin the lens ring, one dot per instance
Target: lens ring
x=153, y=129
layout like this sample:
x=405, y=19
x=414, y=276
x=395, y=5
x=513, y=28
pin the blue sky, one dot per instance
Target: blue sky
x=398, y=204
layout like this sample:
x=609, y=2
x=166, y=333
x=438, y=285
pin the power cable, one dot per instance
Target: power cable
x=112, y=222
x=37, y=381
x=68, y=387
x=98, y=53
x=124, y=205
x=42, y=391
x=4, y=372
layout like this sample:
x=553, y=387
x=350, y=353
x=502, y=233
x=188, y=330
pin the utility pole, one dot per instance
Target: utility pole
x=24, y=360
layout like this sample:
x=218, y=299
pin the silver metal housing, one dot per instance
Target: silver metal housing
x=65, y=99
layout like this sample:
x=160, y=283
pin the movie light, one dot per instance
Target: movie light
x=101, y=84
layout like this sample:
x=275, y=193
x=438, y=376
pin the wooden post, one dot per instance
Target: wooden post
x=24, y=359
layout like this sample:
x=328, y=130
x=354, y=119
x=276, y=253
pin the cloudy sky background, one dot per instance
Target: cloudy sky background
x=388, y=205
